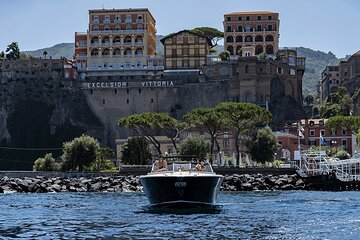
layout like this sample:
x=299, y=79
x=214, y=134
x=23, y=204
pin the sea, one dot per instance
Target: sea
x=237, y=215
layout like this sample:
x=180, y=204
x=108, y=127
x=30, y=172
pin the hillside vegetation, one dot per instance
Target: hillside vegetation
x=315, y=60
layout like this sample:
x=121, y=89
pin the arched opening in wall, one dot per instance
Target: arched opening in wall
x=94, y=41
x=127, y=52
x=247, y=97
x=230, y=49
x=138, y=64
x=333, y=89
x=105, y=52
x=229, y=39
x=248, y=38
x=116, y=40
x=239, y=51
x=94, y=52
x=289, y=89
x=117, y=52
x=239, y=39
x=259, y=49
x=139, y=40
x=139, y=52
x=269, y=38
x=127, y=40
x=105, y=41
x=259, y=38
x=269, y=49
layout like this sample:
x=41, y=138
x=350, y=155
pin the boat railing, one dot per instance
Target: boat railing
x=181, y=167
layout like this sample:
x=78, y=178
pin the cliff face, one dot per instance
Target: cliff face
x=41, y=111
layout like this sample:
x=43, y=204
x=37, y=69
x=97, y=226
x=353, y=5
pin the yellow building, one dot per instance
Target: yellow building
x=185, y=50
x=118, y=42
x=251, y=33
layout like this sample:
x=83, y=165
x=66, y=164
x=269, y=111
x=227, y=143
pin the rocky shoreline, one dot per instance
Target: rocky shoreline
x=235, y=182
x=131, y=183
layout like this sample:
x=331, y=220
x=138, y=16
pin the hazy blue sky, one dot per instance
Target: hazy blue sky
x=326, y=25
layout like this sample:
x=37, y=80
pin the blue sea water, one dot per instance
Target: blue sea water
x=243, y=215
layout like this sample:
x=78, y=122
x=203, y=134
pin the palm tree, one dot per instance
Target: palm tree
x=45, y=53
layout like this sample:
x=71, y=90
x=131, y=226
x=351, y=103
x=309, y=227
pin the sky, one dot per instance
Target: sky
x=325, y=25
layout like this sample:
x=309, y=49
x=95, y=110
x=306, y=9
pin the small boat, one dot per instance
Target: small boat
x=179, y=184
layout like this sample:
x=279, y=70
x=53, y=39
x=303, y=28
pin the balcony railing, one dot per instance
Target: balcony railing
x=106, y=21
x=117, y=21
x=95, y=21
x=125, y=68
x=139, y=20
x=128, y=20
x=139, y=43
x=94, y=44
x=106, y=43
x=117, y=31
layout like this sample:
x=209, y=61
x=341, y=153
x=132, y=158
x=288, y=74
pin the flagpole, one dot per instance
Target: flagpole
x=299, y=144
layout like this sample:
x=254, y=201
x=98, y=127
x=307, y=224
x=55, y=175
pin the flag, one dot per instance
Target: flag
x=322, y=141
x=300, y=130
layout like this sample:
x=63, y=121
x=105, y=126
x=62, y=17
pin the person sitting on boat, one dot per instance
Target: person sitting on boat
x=200, y=166
x=161, y=164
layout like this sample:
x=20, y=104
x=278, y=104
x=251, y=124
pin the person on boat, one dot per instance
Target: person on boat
x=200, y=166
x=161, y=164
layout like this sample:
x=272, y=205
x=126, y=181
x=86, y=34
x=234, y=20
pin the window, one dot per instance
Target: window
x=259, y=18
x=127, y=101
x=226, y=143
x=152, y=100
x=333, y=133
x=311, y=123
x=228, y=18
x=226, y=134
x=321, y=123
x=343, y=132
x=279, y=70
x=258, y=27
x=247, y=18
x=343, y=143
x=246, y=68
x=189, y=134
x=103, y=101
x=322, y=132
x=312, y=132
x=240, y=29
x=173, y=52
x=127, y=90
x=240, y=18
x=269, y=17
x=270, y=27
x=139, y=90
x=229, y=28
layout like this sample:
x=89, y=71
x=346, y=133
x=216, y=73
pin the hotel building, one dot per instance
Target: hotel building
x=119, y=42
x=251, y=33
x=185, y=50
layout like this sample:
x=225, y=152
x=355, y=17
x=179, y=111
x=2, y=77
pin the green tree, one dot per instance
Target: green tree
x=309, y=99
x=102, y=156
x=212, y=34
x=2, y=55
x=350, y=123
x=264, y=145
x=24, y=56
x=224, y=56
x=136, y=151
x=243, y=118
x=338, y=103
x=148, y=123
x=47, y=163
x=45, y=53
x=342, y=154
x=13, y=51
x=79, y=153
x=194, y=147
x=263, y=56
x=209, y=120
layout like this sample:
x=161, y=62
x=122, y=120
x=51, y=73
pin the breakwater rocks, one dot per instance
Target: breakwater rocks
x=235, y=182
x=247, y=182
x=59, y=184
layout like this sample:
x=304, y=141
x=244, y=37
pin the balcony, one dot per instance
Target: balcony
x=106, y=21
x=139, y=43
x=127, y=43
x=96, y=21
x=128, y=20
x=82, y=44
x=117, y=21
x=94, y=44
x=130, y=31
x=139, y=20
x=106, y=43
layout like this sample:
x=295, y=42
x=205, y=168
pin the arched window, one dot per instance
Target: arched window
x=127, y=40
x=259, y=49
x=229, y=39
x=138, y=64
x=248, y=38
x=105, y=52
x=230, y=49
x=127, y=52
x=116, y=40
x=259, y=38
x=269, y=38
x=239, y=39
x=269, y=49
x=139, y=52
x=94, y=52
x=117, y=52
x=139, y=40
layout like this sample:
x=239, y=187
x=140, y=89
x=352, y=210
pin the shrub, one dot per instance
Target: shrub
x=342, y=154
x=47, y=163
x=194, y=147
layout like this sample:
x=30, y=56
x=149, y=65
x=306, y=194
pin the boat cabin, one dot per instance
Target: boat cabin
x=178, y=166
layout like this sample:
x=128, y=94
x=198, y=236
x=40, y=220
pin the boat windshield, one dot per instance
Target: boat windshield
x=182, y=166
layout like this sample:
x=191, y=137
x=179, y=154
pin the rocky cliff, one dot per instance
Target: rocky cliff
x=41, y=111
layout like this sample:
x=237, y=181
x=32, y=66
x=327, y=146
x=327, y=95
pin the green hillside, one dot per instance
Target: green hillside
x=57, y=51
x=315, y=60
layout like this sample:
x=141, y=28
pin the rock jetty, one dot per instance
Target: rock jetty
x=235, y=182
